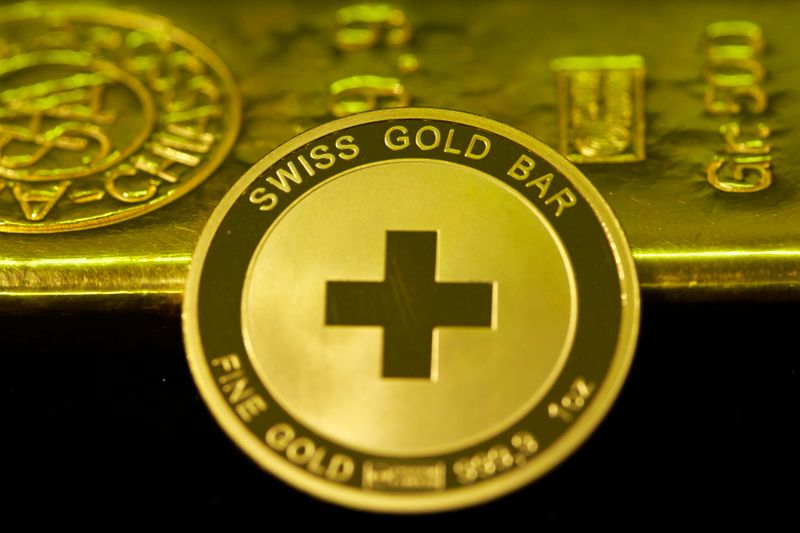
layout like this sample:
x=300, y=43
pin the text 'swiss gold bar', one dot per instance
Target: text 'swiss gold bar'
x=120, y=130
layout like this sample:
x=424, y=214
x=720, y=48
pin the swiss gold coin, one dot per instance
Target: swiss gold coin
x=105, y=115
x=411, y=310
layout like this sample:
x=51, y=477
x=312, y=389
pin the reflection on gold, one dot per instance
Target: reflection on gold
x=48, y=281
x=701, y=274
x=90, y=262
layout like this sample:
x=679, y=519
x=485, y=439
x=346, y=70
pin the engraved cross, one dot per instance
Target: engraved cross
x=409, y=304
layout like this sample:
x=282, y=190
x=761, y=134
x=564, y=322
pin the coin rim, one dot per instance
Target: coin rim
x=134, y=19
x=545, y=461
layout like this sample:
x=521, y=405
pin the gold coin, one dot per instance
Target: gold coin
x=411, y=310
x=105, y=115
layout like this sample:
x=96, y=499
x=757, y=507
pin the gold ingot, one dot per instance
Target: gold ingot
x=694, y=211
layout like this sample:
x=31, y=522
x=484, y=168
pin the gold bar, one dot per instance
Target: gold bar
x=707, y=198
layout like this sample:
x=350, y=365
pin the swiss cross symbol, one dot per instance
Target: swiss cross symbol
x=409, y=303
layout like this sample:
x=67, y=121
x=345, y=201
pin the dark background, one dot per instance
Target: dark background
x=104, y=424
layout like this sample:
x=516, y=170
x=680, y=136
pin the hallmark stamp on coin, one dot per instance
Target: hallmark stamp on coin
x=386, y=476
x=601, y=108
x=104, y=115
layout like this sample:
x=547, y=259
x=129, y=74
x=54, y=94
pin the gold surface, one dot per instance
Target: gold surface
x=297, y=68
x=327, y=376
x=308, y=400
x=106, y=115
x=601, y=108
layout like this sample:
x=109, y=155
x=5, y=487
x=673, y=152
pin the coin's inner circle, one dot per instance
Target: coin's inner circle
x=60, y=119
x=409, y=308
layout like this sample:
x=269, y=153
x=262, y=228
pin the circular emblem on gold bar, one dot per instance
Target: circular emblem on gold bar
x=104, y=115
x=411, y=310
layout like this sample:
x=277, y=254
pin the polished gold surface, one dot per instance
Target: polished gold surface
x=312, y=243
x=432, y=314
x=106, y=115
x=711, y=211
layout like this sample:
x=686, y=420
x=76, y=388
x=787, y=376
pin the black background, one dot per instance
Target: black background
x=104, y=424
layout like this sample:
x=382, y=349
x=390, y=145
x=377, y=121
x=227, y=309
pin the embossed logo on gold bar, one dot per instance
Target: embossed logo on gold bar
x=601, y=108
x=104, y=115
x=733, y=74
